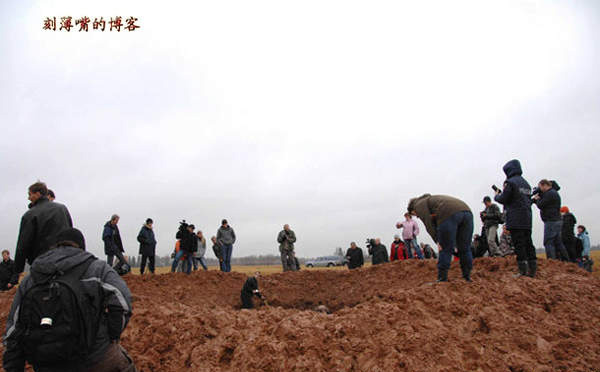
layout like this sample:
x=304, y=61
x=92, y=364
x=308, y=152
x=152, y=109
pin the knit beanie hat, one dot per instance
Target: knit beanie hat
x=71, y=235
x=564, y=209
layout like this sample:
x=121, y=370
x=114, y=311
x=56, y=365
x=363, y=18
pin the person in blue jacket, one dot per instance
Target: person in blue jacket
x=516, y=198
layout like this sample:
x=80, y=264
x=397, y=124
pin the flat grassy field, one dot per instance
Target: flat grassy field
x=272, y=269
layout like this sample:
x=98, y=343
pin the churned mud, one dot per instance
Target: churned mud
x=386, y=318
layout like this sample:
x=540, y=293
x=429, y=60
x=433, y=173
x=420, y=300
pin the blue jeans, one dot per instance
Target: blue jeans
x=412, y=244
x=553, y=240
x=201, y=261
x=187, y=264
x=456, y=231
x=227, y=249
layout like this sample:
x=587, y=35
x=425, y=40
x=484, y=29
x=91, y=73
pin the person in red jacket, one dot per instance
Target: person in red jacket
x=397, y=249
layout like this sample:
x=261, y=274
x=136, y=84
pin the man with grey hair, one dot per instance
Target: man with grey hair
x=286, y=240
x=355, y=256
x=113, y=245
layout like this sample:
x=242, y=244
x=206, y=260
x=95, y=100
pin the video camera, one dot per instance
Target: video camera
x=182, y=229
x=370, y=242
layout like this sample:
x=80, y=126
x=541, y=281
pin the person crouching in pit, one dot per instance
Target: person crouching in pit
x=250, y=289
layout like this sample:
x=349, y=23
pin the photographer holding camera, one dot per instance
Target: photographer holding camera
x=491, y=218
x=546, y=197
x=286, y=240
x=378, y=251
x=188, y=242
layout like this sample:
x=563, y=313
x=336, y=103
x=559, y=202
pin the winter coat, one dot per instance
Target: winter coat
x=250, y=286
x=585, y=240
x=225, y=235
x=410, y=229
x=428, y=252
x=8, y=274
x=516, y=197
x=493, y=216
x=435, y=209
x=568, y=226
x=549, y=205
x=379, y=253
x=506, y=245
x=355, y=257
x=147, y=241
x=112, y=239
x=188, y=241
x=286, y=240
x=218, y=251
x=105, y=289
x=39, y=227
x=397, y=251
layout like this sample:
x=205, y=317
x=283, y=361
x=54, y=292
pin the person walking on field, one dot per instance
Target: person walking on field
x=147, y=246
x=226, y=239
x=39, y=226
x=516, y=198
x=491, y=217
x=449, y=221
x=355, y=257
x=286, y=239
x=409, y=235
x=113, y=245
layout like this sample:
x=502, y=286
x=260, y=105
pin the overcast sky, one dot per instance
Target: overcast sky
x=327, y=115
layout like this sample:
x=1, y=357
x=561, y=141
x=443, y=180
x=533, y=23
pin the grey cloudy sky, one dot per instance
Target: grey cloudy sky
x=327, y=115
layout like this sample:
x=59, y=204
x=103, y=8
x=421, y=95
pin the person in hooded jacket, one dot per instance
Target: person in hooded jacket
x=147, y=246
x=449, y=222
x=39, y=226
x=516, y=198
x=397, y=249
x=199, y=254
x=548, y=201
x=355, y=257
x=226, y=239
x=568, y=232
x=109, y=309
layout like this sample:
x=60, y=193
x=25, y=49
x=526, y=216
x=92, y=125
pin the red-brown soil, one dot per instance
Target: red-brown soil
x=385, y=318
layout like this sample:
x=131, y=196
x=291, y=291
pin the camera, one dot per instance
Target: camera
x=370, y=242
x=495, y=188
x=182, y=229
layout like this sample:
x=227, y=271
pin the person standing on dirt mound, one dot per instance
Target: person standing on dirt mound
x=39, y=226
x=547, y=200
x=226, y=239
x=147, y=246
x=286, y=240
x=449, y=221
x=113, y=245
x=568, y=232
x=516, y=198
x=355, y=257
x=217, y=251
x=397, y=249
x=250, y=289
x=68, y=313
x=491, y=217
x=410, y=230
x=378, y=252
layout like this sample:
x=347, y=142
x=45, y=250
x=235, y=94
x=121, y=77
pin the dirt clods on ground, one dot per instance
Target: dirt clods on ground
x=387, y=318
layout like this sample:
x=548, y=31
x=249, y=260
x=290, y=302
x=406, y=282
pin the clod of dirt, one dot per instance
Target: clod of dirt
x=383, y=318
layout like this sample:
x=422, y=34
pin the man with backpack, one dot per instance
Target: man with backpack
x=68, y=313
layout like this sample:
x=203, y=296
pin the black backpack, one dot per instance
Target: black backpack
x=57, y=321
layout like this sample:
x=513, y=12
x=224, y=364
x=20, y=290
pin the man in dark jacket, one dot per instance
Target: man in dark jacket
x=226, y=238
x=147, y=246
x=188, y=242
x=113, y=245
x=39, y=226
x=449, y=221
x=491, y=217
x=107, y=306
x=516, y=198
x=548, y=201
x=355, y=257
x=378, y=252
x=9, y=277
x=568, y=235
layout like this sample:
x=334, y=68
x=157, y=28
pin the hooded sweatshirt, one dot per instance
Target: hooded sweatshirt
x=435, y=209
x=516, y=197
x=226, y=235
x=104, y=287
x=585, y=240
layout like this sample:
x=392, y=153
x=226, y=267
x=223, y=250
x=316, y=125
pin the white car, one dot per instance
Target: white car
x=326, y=261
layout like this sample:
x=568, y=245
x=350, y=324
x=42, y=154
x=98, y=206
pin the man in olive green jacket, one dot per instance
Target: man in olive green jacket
x=449, y=221
x=286, y=240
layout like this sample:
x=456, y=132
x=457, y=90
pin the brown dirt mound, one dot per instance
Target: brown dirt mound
x=385, y=318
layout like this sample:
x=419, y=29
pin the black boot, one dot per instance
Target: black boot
x=467, y=276
x=532, y=268
x=442, y=275
x=522, y=269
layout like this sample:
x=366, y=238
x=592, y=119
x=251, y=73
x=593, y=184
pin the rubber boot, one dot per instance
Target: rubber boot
x=442, y=275
x=522, y=269
x=532, y=268
x=467, y=275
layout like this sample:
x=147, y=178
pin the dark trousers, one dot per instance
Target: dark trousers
x=456, y=231
x=116, y=359
x=523, y=244
x=569, y=243
x=110, y=258
x=150, y=263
